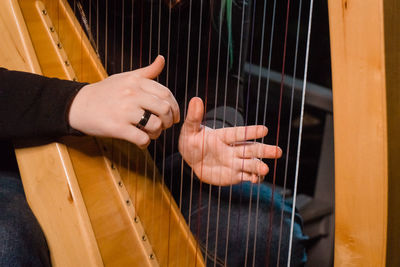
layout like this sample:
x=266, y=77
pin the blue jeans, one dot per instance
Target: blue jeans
x=250, y=231
x=22, y=242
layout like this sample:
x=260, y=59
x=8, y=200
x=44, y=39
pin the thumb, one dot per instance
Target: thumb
x=194, y=115
x=153, y=70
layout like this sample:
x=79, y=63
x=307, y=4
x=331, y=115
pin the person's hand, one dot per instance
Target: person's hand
x=223, y=156
x=114, y=106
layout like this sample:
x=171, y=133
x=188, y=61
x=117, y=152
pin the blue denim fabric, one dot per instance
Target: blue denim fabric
x=22, y=242
x=242, y=221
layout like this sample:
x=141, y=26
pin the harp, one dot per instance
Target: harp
x=368, y=72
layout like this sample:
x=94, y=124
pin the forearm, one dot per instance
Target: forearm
x=34, y=106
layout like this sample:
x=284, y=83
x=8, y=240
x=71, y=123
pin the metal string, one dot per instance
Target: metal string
x=289, y=131
x=257, y=111
x=131, y=46
x=163, y=135
x=97, y=24
x=175, y=93
x=300, y=131
x=223, y=125
x=202, y=152
x=165, y=138
x=224, y=119
x=266, y=104
x=235, y=123
x=277, y=133
x=205, y=111
x=185, y=113
x=246, y=122
x=106, y=40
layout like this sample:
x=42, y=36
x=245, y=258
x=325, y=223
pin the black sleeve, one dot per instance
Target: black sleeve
x=34, y=106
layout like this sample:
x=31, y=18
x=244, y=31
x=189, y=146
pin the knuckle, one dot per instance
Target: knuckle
x=143, y=141
x=265, y=169
x=238, y=166
x=157, y=124
x=166, y=93
x=259, y=165
x=169, y=122
x=130, y=91
x=165, y=109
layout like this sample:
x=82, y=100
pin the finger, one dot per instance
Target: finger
x=164, y=93
x=132, y=134
x=252, y=166
x=158, y=107
x=153, y=126
x=243, y=133
x=257, y=150
x=250, y=177
x=194, y=116
x=153, y=70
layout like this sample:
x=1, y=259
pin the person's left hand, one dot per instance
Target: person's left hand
x=223, y=156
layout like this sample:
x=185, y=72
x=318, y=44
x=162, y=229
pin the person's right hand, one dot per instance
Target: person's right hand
x=113, y=107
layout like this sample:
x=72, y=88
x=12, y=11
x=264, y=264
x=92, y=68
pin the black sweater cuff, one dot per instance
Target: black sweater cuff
x=35, y=106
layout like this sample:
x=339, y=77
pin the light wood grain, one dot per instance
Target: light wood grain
x=366, y=105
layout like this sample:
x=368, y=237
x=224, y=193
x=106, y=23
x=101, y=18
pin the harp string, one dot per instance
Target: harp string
x=173, y=126
x=265, y=104
x=122, y=70
x=236, y=118
x=205, y=111
x=215, y=104
x=198, y=220
x=215, y=114
x=256, y=119
x=289, y=131
x=163, y=134
x=97, y=25
x=216, y=96
x=277, y=133
x=177, y=53
x=132, y=31
x=122, y=34
x=300, y=130
x=246, y=122
x=185, y=113
x=228, y=14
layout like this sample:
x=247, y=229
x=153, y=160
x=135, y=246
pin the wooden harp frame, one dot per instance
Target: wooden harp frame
x=365, y=43
x=64, y=180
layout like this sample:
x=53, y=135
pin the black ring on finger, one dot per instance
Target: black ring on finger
x=143, y=121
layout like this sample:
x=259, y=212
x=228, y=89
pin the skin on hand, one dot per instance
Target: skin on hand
x=224, y=156
x=114, y=106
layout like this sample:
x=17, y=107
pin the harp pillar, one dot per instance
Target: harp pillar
x=365, y=43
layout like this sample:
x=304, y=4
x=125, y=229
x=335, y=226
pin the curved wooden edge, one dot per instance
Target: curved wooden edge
x=392, y=64
x=55, y=198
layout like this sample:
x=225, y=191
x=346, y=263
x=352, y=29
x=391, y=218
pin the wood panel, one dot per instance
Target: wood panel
x=365, y=66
